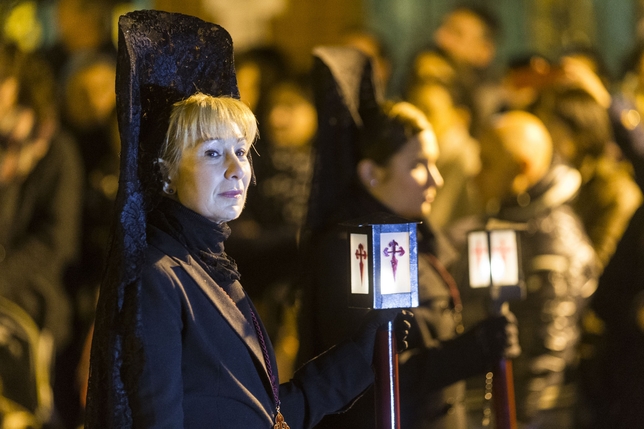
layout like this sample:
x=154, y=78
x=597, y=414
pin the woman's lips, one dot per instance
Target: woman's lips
x=231, y=194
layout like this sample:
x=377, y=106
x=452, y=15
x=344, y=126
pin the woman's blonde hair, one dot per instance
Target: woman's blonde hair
x=202, y=117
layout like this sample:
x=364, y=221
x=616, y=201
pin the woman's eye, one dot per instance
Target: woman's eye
x=242, y=152
x=211, y=153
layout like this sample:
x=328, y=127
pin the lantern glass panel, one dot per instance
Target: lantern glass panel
x=359, y=263
x=504, y=259
x=394, y=263
x=479, y=259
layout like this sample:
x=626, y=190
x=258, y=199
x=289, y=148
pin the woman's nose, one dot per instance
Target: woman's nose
x=234, y=168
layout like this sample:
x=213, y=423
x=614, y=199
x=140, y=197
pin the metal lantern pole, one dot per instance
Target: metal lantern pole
x=503, y=396
x=385, y=362
x=494, y=263
x=503, y=399
x=383, y=259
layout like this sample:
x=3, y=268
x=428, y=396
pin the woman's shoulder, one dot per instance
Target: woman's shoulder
x=162, y=255
x=163, y=282
x=161, y=243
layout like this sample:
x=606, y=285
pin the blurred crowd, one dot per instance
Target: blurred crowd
x=552, y=145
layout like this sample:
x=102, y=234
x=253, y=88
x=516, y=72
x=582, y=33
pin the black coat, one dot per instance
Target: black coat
x=204, y=365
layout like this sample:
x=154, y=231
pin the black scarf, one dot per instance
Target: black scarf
x=203, y=238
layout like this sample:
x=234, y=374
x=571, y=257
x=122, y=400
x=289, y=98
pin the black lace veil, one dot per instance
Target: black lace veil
x=347, y=99
x=162, y=58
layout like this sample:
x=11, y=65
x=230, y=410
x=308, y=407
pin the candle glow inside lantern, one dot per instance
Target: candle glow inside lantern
x=383, y=260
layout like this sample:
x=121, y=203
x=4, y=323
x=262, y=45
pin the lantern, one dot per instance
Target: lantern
x=383, y=261
x=494, y=262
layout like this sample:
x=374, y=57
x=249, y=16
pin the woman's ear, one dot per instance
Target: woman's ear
x=368, y=173
x=164, y=168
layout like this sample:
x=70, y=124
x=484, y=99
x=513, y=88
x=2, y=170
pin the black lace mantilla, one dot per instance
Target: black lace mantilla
x=162, y=58
x=346, y=94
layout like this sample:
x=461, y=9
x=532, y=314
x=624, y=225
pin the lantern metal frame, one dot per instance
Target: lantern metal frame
x=373, y=230
x=500, y=292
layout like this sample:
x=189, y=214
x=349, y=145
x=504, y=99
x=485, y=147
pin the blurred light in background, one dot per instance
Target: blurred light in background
x=23, y=27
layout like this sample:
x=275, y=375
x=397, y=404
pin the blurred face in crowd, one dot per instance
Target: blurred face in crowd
x=90, y=97
x=22, y=144
x=80, y=24
x=408, y=183
x=292, y=119
x=516, y=151
x=435, y=101
x=463, y=36
x=498, y=169
x=213, y=177
x=249, y=80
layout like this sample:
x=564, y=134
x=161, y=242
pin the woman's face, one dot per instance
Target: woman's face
x=212, y=178
x=408, y=183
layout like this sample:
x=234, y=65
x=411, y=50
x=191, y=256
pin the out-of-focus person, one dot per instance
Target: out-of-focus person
x=459, y=158
x=40, y=199
x=258, y=70
x=88, y=113
x=582, y=137
x=41, y=196
x=521, y=185
x=611, y=373
x=526, y=77
x=386, y=167
x=584, y=119
x=468, y=36
x=82, y=27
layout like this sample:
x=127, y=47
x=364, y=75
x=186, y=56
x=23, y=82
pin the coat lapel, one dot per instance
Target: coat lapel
x=217, y=296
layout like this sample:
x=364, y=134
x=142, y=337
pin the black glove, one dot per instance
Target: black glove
x=498, y=337
x=365, y=336
x=402, y=325
x=512, y=347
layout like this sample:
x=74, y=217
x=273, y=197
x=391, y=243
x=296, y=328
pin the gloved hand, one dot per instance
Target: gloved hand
x=402, y=325
x=512, y=347
x=365, y=336
x=498, y=336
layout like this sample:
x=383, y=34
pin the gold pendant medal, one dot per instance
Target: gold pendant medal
x=279, y=422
